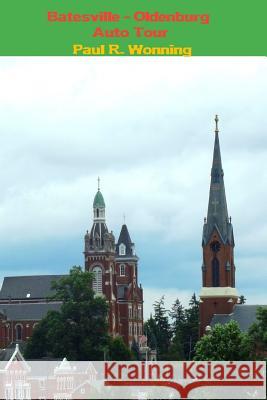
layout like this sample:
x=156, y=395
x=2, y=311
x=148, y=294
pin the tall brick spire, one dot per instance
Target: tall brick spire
x=218, y=294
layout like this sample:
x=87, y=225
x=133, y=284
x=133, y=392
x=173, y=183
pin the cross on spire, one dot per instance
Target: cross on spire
x=124, y=217
x=215, y=203
x=98, y=183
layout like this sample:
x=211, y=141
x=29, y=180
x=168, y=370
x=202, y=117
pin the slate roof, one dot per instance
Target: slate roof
x=18, y=287
x=243, y=314
x=217, y=216
x=7, y=353
x=126, y=240
x=28, y=311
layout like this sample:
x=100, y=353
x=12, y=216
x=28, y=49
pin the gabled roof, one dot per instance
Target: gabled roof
x=245, y=315
x=28, y=287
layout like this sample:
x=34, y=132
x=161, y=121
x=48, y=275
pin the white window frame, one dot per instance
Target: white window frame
x=122, y=270
x=122, y=249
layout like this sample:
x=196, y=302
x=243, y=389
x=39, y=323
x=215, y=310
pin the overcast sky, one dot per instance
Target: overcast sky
x=146, y=127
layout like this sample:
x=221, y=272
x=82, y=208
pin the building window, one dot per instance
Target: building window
x=140, y=330
x=135, y=329
x=139, y=312
x=215, y=272
x=122, y=270
x=97, y=280
x=130, y=311
x=122, y=249
x=18, y=329
x=130, y=329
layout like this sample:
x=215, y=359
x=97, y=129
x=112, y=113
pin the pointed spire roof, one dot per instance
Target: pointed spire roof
x=126, y=240
x=217, y=217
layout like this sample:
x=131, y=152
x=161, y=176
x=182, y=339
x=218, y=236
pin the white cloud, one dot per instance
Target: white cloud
x=145, y=125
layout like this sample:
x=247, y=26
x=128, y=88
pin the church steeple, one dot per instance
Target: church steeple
x=218, y=294
x=217, y=217
x=99, y=239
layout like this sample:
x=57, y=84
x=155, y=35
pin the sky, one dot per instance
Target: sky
x=146, y=127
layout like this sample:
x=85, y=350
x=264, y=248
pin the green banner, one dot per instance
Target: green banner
x=133, y=28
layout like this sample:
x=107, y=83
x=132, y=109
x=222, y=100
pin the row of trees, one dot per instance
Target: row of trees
x=174, y=333
x=79, y=331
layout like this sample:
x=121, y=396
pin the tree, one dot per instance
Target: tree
x=242, y=299
x=79, y=331
x=158, y=330
x=177, y=315
x=118, y=351
x=162, y=329
x=225, y=343
x=258, y=334
x=135, y=350
x=190, y=333
x=150, y=332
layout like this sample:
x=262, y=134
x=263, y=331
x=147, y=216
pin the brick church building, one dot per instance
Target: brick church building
x=23, y=299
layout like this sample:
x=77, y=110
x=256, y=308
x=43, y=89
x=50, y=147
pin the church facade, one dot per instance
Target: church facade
x=23, y=299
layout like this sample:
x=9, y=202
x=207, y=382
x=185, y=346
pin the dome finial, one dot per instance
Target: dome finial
x=98, y=184
x=124, y=217
x=216, y=124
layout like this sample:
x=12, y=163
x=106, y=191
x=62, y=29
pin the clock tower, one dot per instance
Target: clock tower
x=218, y=294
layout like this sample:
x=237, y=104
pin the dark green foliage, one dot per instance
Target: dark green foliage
x=224, y=343
x=118, y=351
x=191, y=327
x=150, y=332
x=175, y=340
x=162, y=329
x=242, y=299
x=79, y=331
x=258, y=334
x=185, y=329
x=135, y=351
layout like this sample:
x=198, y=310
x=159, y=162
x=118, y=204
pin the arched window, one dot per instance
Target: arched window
x=97, y=213
x=97, y=280
x=122, y=270
x=215, y=272
x=18, y=329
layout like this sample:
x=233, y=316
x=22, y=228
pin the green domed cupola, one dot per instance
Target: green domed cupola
x=99, y=200
x=99, y=205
